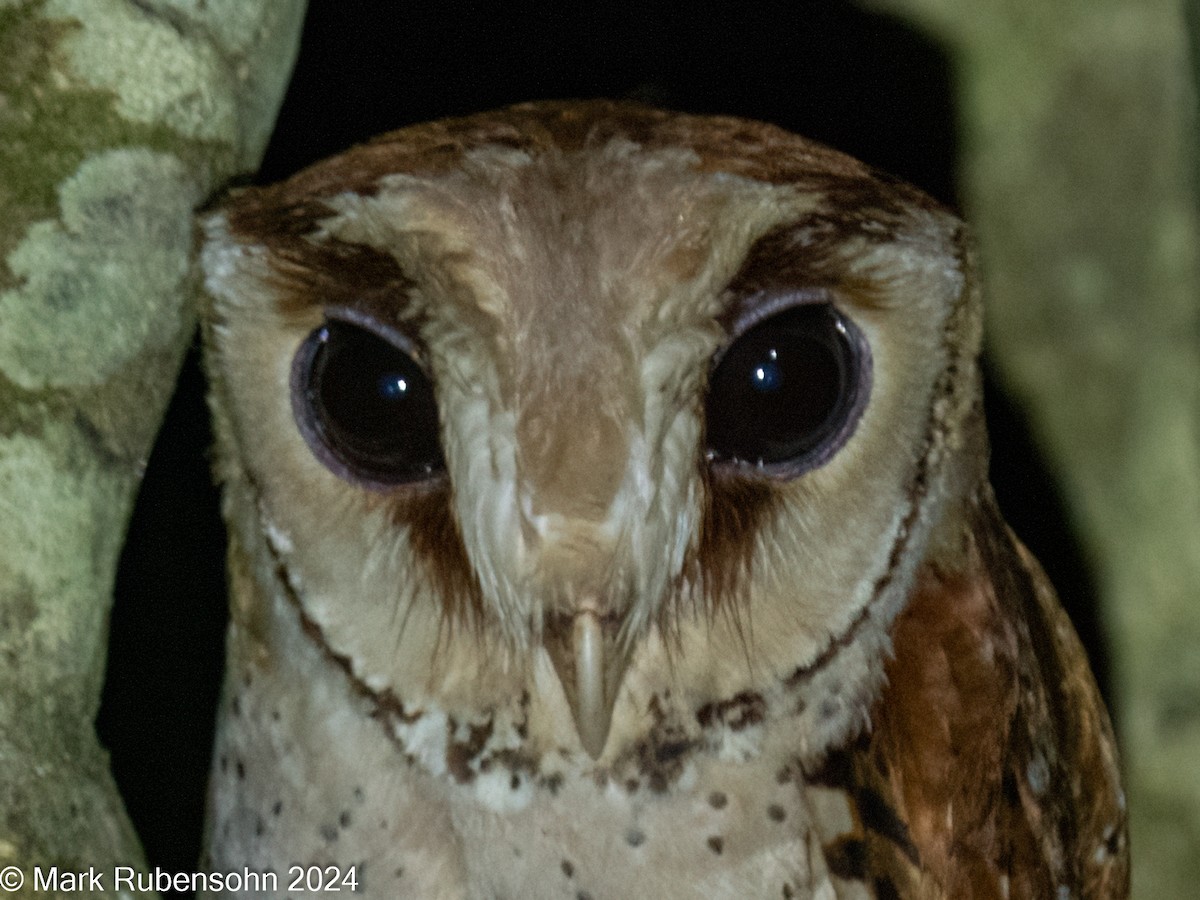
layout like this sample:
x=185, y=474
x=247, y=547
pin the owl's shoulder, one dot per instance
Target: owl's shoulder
x=990, y=768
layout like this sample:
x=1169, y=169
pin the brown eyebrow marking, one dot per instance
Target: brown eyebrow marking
x=311, y=269
x=809, y=254
x=316, y=269
x=337, y=273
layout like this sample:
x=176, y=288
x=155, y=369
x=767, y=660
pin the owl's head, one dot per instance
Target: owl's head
x=591, y=407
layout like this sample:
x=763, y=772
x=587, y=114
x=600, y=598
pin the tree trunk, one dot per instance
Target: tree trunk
x=117, y=117
x=1079, y=172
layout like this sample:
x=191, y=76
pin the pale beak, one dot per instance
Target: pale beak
x=590, y=663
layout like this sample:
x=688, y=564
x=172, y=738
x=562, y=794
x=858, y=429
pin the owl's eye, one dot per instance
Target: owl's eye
x=788, y=391
x=364, y=407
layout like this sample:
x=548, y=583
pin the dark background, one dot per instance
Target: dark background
x=863, y=83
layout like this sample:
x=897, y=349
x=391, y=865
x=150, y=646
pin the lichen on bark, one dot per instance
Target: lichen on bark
x=117, y=118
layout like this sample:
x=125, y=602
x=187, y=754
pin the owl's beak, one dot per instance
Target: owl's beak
x=590, y=662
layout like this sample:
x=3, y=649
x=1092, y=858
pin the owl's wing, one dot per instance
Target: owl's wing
x=990, y=769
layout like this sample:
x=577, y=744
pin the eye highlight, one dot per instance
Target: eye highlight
x=365, y=407
x=787, y=392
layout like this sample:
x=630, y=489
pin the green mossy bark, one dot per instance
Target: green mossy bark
x=116, y=119
x=1079, y=166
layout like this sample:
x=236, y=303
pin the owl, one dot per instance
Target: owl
x=609, y=518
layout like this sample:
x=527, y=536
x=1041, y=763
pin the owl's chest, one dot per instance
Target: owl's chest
x=720, y=831
x=301, y=778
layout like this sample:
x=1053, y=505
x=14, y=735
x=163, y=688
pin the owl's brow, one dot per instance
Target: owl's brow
x=807, y=256
x=327, y=273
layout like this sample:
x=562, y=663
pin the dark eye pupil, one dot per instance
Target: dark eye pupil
x=787, y=390
x=365, y=407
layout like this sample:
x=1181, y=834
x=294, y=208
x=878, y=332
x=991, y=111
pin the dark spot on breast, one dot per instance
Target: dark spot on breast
x=776, y=813
x=631, y=785
x=235, y=707
x=568, y=869
x=241, y=770
x=344, y=819
x=460, y=754
x=329, y=833
x=738, y=712
x=359, y=795
x=515, y=781
x=385, y=700
x=717, y=800
x=223, y=762
x=552, y=783
x=829, y=708
x=635, y=837
x=583, y=895
x=260, y=827
x=660, y=756
x=277, y=808
x=716, y=844
x=399, y=872
x=788, y=893
x=847, y=858
x=672, y=750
